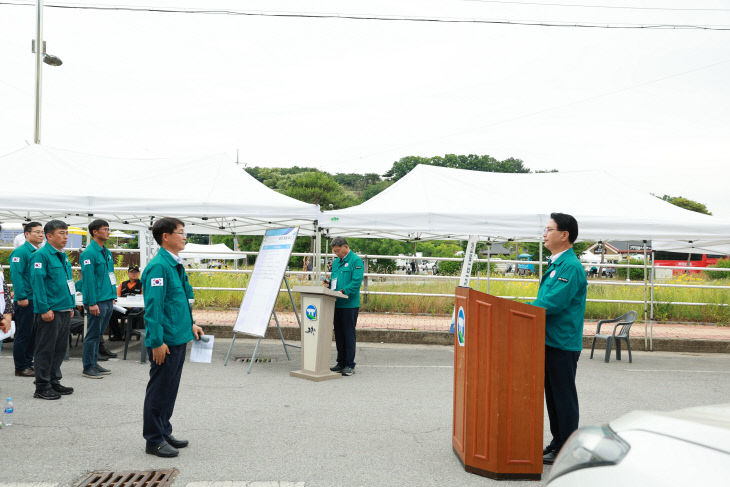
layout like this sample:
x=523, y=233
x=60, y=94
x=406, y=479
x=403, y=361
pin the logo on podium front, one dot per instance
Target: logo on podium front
x=311, y=312
x=460, y=326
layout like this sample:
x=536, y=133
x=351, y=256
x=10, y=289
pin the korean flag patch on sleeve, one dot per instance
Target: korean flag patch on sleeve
x=87, y=261
x=157, y=281
x=37, y=265
x=16, y=259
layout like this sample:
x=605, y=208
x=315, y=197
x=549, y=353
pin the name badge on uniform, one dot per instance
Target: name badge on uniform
x=552, y=274
x=562, y=279
x=333, y=284
x=112, y=279
x=71, y=286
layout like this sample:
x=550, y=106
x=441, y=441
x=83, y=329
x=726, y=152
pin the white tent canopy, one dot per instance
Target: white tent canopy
x=717, y=247
x=216, y=251
x=211, y=194
x=434, y=202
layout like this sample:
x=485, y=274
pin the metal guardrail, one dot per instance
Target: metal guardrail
x=649, y=281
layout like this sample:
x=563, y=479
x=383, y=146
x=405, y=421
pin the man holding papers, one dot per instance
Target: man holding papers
x=169, y=327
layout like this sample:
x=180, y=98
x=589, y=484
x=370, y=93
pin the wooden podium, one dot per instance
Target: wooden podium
x=499, y=366
x=318, y=313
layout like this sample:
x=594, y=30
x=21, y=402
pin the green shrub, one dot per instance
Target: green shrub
x=382, y=266
x=637, y=273
x=722, y=264
x=449, y=267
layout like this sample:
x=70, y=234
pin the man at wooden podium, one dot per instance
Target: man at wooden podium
x=563, y=295
x=347, y=274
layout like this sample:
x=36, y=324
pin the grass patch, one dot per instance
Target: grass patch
x=443, y=305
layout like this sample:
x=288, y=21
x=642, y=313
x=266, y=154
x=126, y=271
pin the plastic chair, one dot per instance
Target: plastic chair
x=128, y=319
x=620, y=332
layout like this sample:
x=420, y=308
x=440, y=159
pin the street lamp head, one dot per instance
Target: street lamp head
x=52, y=60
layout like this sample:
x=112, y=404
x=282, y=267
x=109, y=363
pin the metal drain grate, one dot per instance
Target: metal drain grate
x=151, y=478
x=259, y=360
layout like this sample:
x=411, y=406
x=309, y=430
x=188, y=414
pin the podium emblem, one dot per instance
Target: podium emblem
x=311, y=312
x=460, y=326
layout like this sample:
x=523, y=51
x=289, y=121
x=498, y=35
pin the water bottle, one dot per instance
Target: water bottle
x=8, y=413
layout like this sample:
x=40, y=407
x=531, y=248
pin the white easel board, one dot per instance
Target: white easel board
x=263, y=287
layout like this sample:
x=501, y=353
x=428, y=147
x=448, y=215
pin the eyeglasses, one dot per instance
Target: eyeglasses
x=182, y=234
x=548, y=230
x=36, y=232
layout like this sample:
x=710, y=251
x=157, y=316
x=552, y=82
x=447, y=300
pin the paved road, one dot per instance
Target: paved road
x=388, y=425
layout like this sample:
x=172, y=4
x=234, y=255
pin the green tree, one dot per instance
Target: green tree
x=318, y=188
x=686, y=203
x=375, y=189
x=472, y=162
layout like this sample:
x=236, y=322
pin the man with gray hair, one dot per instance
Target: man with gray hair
x=347, y=274
x=53, y=303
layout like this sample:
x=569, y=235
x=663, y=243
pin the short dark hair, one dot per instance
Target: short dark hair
x=97, y=225
x=28, y=227
x=566, y=223
x=54, y=225
x=165, y=225
x=339, y=242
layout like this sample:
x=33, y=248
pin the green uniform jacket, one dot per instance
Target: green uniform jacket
x=348, y=271
x=20, y=271
x=50, y=272
x=96, y=264
x=167, y=314
x=563, y=295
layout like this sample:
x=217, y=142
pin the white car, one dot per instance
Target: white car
x=649, y=448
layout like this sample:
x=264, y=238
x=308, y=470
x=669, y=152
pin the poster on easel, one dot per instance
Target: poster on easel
x=265, y=283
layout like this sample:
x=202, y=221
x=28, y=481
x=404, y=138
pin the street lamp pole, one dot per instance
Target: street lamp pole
x=39, y=48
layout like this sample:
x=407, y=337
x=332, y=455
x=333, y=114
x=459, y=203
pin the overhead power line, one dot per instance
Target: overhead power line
x=613, y=7
x=382, y=18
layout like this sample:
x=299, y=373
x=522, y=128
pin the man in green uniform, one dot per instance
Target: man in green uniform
x=53, y=303
x=347, y=274
x=100, y=290
x=169, y=327
x=563, y=295
x=20, y=261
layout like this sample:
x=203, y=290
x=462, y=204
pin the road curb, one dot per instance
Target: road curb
x=419, y=337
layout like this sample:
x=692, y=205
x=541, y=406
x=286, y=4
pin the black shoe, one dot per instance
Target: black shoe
x=348, y=371
x=102, y=370
x=63, y=390
x=49, y=394
x=162, y=449
x=175, y=442
x=337, y=368
x=105, y=351
x=92, y=373
x=549, y=457
x=548, y=449
x=101, y=358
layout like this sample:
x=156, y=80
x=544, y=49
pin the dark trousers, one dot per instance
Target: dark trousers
x=51, y=342
x=561, y=396
x=24, y=336
x=159, y=400
x=95, y=326
x=344, y=323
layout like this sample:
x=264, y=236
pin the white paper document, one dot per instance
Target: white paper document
x=202, y=351
x=4, y=335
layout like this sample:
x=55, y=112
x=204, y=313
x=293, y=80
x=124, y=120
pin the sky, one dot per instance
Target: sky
x=651, y=106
